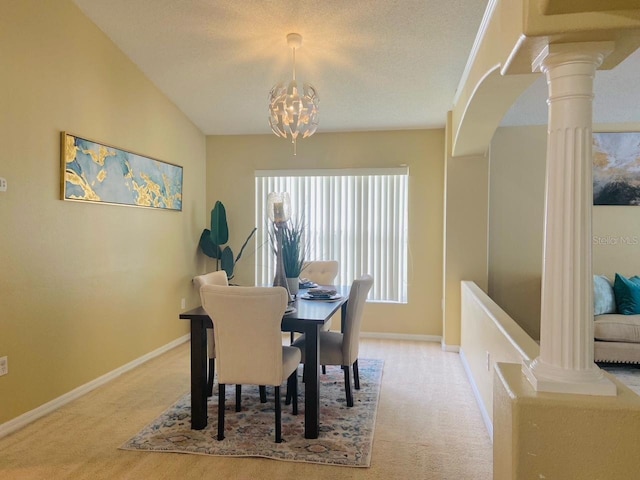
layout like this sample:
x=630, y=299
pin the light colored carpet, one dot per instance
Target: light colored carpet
x=346, y=434
x=428, y=427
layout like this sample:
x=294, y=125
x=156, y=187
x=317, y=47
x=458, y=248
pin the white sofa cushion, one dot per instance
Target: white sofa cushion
x=617, y=328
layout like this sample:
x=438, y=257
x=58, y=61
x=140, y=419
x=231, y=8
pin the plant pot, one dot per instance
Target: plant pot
x=294, y=285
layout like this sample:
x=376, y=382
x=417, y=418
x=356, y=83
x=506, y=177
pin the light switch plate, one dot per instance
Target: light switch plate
x=3, y=184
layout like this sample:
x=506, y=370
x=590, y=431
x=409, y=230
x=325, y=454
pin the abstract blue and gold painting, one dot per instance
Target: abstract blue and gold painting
x=95, y=172
x=616, y=168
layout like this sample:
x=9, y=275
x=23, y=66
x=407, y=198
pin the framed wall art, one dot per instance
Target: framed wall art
x=99, y=173
x=616, y=168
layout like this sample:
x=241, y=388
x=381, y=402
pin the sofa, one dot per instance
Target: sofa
x=616, y=319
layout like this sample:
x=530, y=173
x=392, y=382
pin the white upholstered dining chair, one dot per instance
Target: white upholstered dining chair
x=249, y=346
x=341, y=348
x=214, y=278
x=322, y=272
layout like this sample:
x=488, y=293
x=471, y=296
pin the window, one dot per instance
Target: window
x=358, y=217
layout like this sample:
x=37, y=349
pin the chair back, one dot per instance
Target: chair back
x=247, y=332
x=218, y=277
x=353, y=321
x=322, y=272
x=214, y=278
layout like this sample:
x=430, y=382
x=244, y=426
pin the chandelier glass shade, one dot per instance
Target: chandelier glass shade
x=293, y=111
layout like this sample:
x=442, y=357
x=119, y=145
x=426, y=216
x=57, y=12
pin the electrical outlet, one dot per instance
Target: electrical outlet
x=488, y=361
x=3, y=184
x=4, y=366
x=183, y=304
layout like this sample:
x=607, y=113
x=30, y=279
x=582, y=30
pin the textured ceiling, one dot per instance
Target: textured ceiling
x=376, y=64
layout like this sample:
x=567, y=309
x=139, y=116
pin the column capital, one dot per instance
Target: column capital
x=559, y=53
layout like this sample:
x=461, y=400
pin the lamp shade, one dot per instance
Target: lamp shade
x=279, y=207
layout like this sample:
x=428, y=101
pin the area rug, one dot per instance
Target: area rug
x=346, y=434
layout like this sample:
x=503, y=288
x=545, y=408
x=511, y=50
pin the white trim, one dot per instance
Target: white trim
x=450, y=348
x=401, y=336
x=482, y=30
x=28, y=417
x=476, y=393
x=333, y=172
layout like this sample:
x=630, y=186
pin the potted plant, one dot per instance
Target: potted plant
x=293, y=252
x=212, y=242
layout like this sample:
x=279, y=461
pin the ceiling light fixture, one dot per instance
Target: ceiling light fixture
x=293, y=112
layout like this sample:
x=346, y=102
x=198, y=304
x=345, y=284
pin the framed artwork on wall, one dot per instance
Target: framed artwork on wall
x=616, y=168
x=99, y=173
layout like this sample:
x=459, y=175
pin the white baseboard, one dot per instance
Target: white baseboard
x=483, y=409
x=450, y=348
x=28, y=417
x=401, y=336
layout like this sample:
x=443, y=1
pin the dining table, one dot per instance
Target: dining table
x=308, y=317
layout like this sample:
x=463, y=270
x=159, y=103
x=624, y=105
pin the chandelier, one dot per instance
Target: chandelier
x=292, y=111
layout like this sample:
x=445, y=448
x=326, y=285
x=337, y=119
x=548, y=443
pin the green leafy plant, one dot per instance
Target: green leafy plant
x=294, y=247
x=212, y=241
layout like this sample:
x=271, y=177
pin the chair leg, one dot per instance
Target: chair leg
x=220, y=411
x=324, y=369
x=347, y=385
x=356, y=375
x=263, y=394
x=288, y=395
x=278, y=415
x=293, y=337
x=292, y=391
x=238, y=398
x=212, y=372
x=295, y=392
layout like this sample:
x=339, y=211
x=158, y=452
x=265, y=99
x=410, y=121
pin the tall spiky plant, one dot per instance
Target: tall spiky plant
x=293, y=249
x=294, y=246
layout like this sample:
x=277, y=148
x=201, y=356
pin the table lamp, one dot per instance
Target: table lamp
x=279, y=211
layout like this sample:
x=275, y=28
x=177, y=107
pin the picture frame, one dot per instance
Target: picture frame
x=616, y=168
x=96, y=172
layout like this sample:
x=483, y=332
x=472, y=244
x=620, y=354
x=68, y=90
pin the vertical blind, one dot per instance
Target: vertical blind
x=358, y=217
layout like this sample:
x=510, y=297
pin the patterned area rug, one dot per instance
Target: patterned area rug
x=346, y=434
x=627, y=374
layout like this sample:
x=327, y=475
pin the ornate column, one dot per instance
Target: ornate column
x=565, y=364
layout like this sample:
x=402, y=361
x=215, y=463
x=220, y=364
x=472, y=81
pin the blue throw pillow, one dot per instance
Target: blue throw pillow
x=627, y=292
x=604, y=300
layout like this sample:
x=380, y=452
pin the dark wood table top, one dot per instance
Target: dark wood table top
x=313, y=311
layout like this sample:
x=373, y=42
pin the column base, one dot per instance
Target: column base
x=545, y=378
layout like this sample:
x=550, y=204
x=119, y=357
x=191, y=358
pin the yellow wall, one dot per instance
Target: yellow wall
x=562, y=436
x=232, y=160
x=84, y=288
x=465, y=234
x=489, y=336
x=516, y=215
